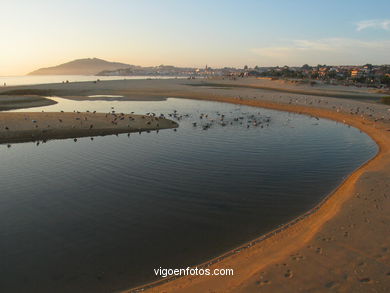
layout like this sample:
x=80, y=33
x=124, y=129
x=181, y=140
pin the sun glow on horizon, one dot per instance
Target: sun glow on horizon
x=36, y=34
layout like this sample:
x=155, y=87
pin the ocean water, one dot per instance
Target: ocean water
x=99, y=215
x=44, y=79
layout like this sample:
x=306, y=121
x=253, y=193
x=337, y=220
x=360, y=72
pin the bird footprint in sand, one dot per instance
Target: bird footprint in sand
x=288, y=274
x=263, y=283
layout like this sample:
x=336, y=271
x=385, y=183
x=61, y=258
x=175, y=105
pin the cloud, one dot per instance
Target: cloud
x=329, y=51
x=374, y=23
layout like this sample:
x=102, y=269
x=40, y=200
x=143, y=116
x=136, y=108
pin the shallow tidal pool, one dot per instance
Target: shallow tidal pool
x=100, y=215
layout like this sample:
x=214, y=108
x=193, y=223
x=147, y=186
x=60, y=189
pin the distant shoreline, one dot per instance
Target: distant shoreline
x=33, y=80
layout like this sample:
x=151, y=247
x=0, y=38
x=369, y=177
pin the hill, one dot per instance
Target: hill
x=87, y=66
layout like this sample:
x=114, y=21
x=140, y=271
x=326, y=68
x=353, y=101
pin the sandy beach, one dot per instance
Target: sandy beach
x=343, y=245
x=23, y=127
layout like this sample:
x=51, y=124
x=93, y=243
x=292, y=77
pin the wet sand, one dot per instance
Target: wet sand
x=343, y=245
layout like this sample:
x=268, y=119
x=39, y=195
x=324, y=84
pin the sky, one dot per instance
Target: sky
x=218, y=33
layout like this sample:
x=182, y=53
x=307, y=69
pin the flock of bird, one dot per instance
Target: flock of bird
x=207, y=120
x=345, y=107
x=149, y=120
x=204, y=120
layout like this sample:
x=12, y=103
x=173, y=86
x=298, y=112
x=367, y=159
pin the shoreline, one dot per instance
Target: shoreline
x=249, y=244
x=320, y=213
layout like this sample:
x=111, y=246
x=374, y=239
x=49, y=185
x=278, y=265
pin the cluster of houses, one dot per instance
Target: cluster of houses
x=161, y=70
x=173, y=71
x=368, y=74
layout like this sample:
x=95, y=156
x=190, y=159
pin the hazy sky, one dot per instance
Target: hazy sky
x=43, y=33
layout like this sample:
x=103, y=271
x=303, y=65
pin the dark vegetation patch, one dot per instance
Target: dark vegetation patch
x=22, y=92
x=386, y=100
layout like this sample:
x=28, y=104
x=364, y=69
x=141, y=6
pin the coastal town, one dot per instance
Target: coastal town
x=377, y=76
x=368, y=74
